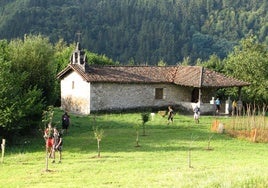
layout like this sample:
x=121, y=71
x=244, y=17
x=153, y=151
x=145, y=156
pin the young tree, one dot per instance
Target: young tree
x=145, y=117
x=47, y=117
x=193, y=138
x=99, y=134
x=209, y=141
x=137, y=126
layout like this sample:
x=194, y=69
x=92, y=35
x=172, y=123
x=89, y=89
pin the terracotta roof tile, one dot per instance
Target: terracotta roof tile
x=188, y=76
x=192, y=76
x=214, y=79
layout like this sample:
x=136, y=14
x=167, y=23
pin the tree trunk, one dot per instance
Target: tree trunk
x=143, y=126
x=98, y=147
x=137, y=138
x=46, y=160
x=189, y=158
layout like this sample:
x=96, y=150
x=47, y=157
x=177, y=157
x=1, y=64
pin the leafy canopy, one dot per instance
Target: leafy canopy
x=249, y=62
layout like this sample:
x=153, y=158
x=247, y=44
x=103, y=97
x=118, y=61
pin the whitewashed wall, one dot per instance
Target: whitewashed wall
x=75, y=99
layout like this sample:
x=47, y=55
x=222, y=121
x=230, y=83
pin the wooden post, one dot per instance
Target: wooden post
x=189, y=158
x=200, y=97
x=255, y=135
x=3, y=149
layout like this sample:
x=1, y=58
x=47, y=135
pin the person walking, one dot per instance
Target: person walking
x=170, y=115
x=196, y=114
x=65, y=121
x=57, y=144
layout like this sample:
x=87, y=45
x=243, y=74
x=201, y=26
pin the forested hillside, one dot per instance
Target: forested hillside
x=140, y=31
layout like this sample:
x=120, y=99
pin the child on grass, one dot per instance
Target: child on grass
x=48, y=136
x=170, y=115
x=196, y=114
x=57, y=144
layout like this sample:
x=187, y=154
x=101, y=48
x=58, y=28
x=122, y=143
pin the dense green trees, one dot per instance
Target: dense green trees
x=28, y=81
x=249, y=62
x=34, y=57
x=20, y=106
x=140, y=31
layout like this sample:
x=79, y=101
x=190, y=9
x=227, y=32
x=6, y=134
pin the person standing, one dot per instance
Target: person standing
x=57, y=144
x=234, y=105
x=48, y=136
x=196, y=114
x=65, y=121
x=170, y=115
x=218, y=105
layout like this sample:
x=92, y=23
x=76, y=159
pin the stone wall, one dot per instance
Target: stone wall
x=108, y=96
x=79, y=96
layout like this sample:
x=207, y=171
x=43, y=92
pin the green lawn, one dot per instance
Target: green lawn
x=161, y=161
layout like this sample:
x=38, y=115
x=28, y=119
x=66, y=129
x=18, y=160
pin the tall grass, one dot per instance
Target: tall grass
x=251, y=125
x=160, y=161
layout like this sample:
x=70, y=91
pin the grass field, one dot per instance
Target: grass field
x=162, y=160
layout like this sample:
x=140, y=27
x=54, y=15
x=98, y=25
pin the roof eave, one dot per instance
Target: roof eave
x=61, y=74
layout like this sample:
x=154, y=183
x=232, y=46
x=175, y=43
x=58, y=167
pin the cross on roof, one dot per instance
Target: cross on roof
x=78, y=36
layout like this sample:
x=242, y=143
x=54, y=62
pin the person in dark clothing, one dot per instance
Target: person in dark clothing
x=65, y=121
x=170, y=115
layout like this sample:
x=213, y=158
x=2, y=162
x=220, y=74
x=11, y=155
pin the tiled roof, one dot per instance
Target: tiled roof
x=191, y=76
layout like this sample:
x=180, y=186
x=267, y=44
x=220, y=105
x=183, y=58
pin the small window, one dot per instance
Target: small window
x=159, y=93
x=72, y=84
